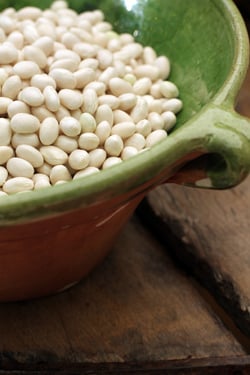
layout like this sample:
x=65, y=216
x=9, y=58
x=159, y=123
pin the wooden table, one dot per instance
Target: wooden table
x=173, y=297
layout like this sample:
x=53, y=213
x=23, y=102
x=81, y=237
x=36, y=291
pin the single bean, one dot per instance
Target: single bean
x=17, y=185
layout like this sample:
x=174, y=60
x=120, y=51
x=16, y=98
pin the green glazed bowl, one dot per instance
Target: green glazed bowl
x=51, y=238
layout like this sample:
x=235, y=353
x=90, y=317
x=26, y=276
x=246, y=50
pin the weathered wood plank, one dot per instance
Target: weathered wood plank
x=136, y=307
x=208, y=231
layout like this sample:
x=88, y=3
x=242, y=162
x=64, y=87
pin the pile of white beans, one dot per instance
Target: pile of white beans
x=76, y=97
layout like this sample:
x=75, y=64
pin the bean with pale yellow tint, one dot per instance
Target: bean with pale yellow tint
x=28, y=139
x=24, y=123
x=119, y=86
x=31, y=96
x=70, y=126
x=59, y=173
x=124, y=129
x=8, y=53
x=17, y=106
x=84, y=76
x=3, y=175
x=40, y=181
x=86, y=172
x=88, y=141
x=53, y=155
x=33, y=53
x=64, y=78
x=88, y=122
x=48, y=131
x=51, y=98
x=111, y=161
x=5, y=131
x=90, y=101
x=136, y=140
x=4, y=104
x=71, y=99
x=26, y=69
x=41, y=81
x=169, y=119
x=155, y=137
x=104, y=113
x=97, y=157
x=78, y=159
x=103, y=131
x=17, y=185
x=128, y=152
x=42, y=113
x=18, y=167
x=31, y=154
x=11, y=87
x=113, y=145
x=140, y=110
x=6, y=152
x=111, y=100
x=156, y=120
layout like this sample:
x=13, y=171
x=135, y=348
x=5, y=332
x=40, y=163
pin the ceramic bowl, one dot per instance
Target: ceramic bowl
x=50, y=239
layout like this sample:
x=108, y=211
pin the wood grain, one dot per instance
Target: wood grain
x=135, y=308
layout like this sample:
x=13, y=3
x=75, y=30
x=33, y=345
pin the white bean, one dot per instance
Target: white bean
x=71, y=99
x=3, y=175
x=24, y=123
x=84, y=76
x=149, y=55
x=59, y=173
x=61, y=113
x=143, y=127
x=3, y=76
x=98, y=87
x=142, y=86
x=44, y=169
x=41, y=81
x=79, y=159
x=42, y=113
x=48, y=131
x=140, y=110
x=156, y=120
x=68, y=64
x=127, y=101
x=17, y=106
x=119, y=86
x=8, y=53
x=70, y=126
x=33, y=53
x=4, y=104
x=124, y=129
x=169, y=89
x=103, y=131
x=11, y=87
x=26, y=69
x=137, y=140
x=169, y=119
x=67, y=144
x=111, y=100
x=5, y=132
x=6, y=152
x=111, y=161
x=64, y=78
x=17, y=185
x=52, y=100
x=45, y=43
x=174, y=105
x=163, y=64
x=89, y=63
x=85, y=172
x=97, y=157
x=28, y=139
x=121, y=116
x=113, y=145
x=18, y=167
x=40, y=181
x=31, y=96
x=90, y=102
x=87, y=122
x=29, y=12
x=31, y=154
x=53, y=155
x=88, y=141
x=104, y=113
x=155, y=137
x=128, y=152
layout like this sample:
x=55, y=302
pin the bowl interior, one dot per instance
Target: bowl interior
x=198, y=37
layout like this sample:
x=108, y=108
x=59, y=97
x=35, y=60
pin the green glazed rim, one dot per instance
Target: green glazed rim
x=215, y=129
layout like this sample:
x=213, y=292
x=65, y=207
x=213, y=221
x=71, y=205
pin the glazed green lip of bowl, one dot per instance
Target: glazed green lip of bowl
x=51, y=238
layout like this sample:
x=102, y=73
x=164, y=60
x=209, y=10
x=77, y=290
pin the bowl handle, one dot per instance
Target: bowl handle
x=221, y=156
